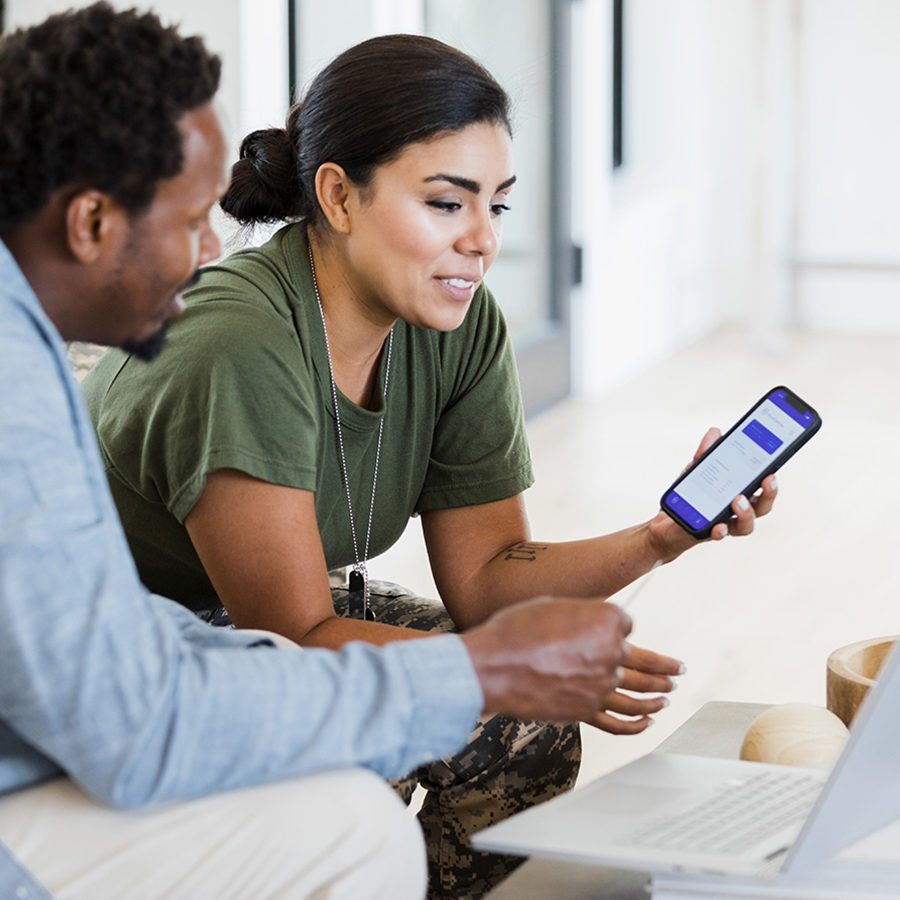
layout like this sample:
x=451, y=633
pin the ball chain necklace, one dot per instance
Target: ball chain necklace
x=359, y=574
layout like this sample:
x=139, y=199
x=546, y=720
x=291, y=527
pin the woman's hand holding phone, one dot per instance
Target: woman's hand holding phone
x=731, y=476
x=671, y=540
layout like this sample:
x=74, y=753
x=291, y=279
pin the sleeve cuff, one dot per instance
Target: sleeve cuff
x=199, y=634
x=451, y=496
x=447, y=697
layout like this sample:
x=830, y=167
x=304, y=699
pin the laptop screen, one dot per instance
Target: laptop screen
x=863, y=791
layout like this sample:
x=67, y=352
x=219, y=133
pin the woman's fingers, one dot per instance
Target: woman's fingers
x=744, y=517
x=711, y=436
x=764, y=500
x=746, y=512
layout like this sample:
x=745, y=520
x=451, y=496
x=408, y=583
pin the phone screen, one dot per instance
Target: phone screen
x=746, y=453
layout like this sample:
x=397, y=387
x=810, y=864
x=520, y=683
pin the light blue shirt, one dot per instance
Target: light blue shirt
x=128, y=693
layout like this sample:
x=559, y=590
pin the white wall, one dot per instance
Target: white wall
x=671, y=241
x=326, y=29
x=760, y=183
x=847, y=251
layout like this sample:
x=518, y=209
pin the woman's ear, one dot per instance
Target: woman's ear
x=92, y=218
x=333, y=190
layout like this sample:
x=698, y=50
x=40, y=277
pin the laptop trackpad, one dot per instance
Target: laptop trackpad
x=629, y=799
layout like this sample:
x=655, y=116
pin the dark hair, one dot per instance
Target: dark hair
x=92, y=98
x=360, y=112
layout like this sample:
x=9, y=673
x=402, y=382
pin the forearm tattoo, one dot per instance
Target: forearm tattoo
x=525, y=552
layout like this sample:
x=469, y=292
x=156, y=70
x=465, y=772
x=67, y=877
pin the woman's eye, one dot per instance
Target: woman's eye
x=444, y=205
x=497, y=209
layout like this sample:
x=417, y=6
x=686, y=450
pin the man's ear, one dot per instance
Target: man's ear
x=333, y=190
x=93, y=220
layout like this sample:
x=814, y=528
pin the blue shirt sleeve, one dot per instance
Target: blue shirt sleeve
x=15, y=882
x=134, y=700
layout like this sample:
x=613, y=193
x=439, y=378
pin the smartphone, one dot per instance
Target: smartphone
x=773, y=430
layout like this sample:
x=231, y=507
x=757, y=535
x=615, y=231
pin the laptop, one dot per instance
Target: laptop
x=674, y=813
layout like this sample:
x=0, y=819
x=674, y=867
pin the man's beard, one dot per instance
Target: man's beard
x=149, y=348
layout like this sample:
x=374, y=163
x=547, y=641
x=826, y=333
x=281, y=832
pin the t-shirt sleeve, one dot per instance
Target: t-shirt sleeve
x=480, y=449
x=231, y=394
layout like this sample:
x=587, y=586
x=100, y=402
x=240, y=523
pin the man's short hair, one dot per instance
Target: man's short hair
x=91, y=99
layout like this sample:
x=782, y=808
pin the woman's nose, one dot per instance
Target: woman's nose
x=481, y=238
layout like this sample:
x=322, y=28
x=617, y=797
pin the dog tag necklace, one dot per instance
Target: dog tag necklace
x=359, y=574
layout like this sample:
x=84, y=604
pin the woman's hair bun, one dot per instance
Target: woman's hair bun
x=264, y=184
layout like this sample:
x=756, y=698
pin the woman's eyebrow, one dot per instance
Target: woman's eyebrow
x=473, y=187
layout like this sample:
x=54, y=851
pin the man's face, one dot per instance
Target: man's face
x=162, y=248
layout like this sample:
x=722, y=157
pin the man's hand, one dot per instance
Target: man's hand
x=645, y=672
x=552, y=660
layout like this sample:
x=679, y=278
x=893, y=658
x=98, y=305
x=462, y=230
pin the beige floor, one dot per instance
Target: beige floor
x=754, y=619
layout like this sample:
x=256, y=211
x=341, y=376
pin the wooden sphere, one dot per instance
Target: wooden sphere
x=795, y=734
x=851, y=671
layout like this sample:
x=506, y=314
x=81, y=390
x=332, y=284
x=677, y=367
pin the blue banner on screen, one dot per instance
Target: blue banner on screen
x=770, y=429
x=759, y=434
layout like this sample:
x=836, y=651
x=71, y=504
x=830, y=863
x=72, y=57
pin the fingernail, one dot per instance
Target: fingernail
x=773, y=484
x=743, y=504
x=650, y=722
x=664, y=701
x=682, y=668
x=619, y=673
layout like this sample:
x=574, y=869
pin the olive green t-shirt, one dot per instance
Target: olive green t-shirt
x=244, y=384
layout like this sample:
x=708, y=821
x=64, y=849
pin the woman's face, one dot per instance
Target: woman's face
x=425, y=231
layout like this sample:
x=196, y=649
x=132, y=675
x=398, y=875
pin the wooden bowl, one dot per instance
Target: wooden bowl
x=852, y=670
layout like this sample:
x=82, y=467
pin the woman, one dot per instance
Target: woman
x=350, y=373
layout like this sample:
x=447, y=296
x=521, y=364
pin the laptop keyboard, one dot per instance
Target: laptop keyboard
x=737, y=817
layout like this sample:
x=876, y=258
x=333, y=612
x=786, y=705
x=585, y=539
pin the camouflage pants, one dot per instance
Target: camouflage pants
x=507, y=766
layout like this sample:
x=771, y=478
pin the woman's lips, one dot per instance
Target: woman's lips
x=458, y=287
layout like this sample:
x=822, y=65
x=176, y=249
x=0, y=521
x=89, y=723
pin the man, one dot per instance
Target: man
x=111, y=157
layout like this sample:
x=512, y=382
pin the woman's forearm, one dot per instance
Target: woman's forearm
x=593, y=567
x=333, y=632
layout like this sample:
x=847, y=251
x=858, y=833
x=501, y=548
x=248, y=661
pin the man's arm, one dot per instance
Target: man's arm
x=106, y=681
x=116, y=689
